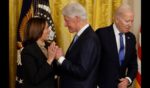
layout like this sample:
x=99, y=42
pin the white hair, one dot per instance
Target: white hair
x=123, y=9
x=74, y=9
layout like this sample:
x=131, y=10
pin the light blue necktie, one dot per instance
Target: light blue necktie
x=121, y=50
x=74, y=40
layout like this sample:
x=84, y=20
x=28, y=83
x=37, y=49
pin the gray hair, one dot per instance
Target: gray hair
x=74, y=9
x=123, y=9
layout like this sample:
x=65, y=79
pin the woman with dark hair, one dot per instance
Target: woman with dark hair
x=37, y=60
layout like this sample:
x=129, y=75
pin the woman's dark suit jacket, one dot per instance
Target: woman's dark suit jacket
x=37, y=72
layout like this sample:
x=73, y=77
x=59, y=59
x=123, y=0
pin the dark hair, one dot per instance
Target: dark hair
x=34, y=30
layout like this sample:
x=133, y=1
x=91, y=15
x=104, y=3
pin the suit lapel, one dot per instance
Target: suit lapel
x=39, y=51
x=81, y=37
x=127, y=37
x=113, y=45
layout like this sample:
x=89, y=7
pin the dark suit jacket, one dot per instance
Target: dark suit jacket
x=80, y=68
x=110, y=70
x=37, y=72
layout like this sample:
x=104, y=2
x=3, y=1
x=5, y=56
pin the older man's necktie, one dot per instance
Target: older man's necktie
x=74, y=40
x=121, y=50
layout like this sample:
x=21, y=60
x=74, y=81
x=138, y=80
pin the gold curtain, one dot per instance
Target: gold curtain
x=14, y=13
x=99, y=12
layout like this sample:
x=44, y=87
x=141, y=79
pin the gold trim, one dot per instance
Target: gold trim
x=23, y=24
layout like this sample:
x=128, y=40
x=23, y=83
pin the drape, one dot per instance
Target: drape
x=100, y=13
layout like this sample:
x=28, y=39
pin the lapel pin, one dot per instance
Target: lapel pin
x=128, y=37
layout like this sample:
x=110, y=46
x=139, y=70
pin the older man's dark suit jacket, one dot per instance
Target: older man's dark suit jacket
x=80, y=68
x=110, y=70
x=37, y=72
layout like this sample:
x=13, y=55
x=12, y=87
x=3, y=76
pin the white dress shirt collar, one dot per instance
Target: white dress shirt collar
x=82, y=30
x=116, y=31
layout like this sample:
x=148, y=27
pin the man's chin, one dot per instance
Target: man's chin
x=127, y=30
x=70, y=31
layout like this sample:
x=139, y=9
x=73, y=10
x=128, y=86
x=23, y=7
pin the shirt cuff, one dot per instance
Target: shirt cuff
x=130, y=81
x=61, y=59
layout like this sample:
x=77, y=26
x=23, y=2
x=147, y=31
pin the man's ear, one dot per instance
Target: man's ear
x=116, y=19
x=78, y=18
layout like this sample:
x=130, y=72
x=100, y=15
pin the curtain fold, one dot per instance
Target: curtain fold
x=14, y=13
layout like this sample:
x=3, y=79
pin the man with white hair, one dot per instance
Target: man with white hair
x=79, y=67
x=118, y=65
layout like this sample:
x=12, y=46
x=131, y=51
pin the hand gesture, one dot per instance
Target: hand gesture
x=51, y=52
x=123, y=83
x=59, y=53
